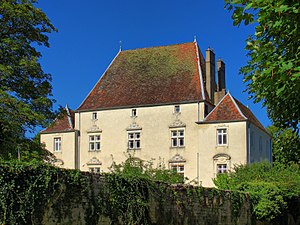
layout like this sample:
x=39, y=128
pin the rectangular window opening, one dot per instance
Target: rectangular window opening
x=57, y=144
x=134, y=140
x=177, y=109
x=177, y=138
x=222, y=168
x=94, y=116
x=94, y=142
x=222, y=136
x=134, y=113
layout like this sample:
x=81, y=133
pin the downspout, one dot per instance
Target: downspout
x=249, y=143
x=198, y=111
x=78, y=140
x=198, y=167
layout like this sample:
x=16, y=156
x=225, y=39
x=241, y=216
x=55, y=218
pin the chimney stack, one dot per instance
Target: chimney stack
x=221, y=75
x=210, y=74
x=221, y=87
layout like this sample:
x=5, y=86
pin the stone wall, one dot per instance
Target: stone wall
x=170, y=205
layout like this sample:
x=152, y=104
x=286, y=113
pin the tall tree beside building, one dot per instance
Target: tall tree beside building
x=273, y=69
x=25, y=89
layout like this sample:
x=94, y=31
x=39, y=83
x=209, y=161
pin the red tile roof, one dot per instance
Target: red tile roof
x=230, y=109
x=64, y=122
x=150, y=76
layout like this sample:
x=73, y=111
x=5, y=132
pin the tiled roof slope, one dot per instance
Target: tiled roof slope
x=149, y=76
x=250, y=116
x=64, y=122
x=230, y=109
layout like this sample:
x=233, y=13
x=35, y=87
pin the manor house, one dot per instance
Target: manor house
x=168, y=105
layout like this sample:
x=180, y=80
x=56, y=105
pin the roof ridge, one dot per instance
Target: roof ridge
x=199, y=70
x=160, y=46
x=101, y=77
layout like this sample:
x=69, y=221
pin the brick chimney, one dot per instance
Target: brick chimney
x=221, y=87
x=210, y=81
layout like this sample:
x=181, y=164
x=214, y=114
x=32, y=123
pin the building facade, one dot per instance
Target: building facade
x=165, y=105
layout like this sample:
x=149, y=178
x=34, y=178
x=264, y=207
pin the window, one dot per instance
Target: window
x=134, y=140
x=222, y=163
x=222, y=136
x=177, y=138
x=94, y=142
x=178, y=168
x=57, y=144
x=222, y=168
x=133, y=113
x=94, y=116
x=94, y=170
x=176, y=109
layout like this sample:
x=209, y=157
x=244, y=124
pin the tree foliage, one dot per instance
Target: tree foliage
x=272, y=188
x=285, y=145
x=25, y=89
x=273, y=69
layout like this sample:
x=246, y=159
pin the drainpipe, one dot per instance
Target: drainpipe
x=249, y=143
x=198, y=168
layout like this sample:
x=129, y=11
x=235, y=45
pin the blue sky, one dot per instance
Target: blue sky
x=90, y=32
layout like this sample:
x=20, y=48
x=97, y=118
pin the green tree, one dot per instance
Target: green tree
x=285, y=145
x=25, y=89
x=273, y=188
x=272, y=72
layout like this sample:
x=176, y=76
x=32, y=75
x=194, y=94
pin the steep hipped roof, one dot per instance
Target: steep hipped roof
x=150, y=76
x=230, y=109
x=64, y=122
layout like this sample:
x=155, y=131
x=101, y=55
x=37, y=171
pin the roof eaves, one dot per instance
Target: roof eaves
x=120, y=50
x=61, y=131
x=220, y=121
x=200, y=71
x=138, y=106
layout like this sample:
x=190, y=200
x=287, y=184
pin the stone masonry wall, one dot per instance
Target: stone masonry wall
x=175, y=205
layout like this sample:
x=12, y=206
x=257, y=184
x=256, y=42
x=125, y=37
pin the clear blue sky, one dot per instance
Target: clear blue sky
x=90, y=31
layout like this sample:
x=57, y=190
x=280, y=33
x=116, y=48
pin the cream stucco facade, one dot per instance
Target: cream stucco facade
x=200, y=154
x=182, y=126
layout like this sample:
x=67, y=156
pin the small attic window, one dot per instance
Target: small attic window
x=177, y=109
x=94, y=116
x=133, y=113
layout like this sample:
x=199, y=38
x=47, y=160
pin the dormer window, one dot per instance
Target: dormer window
x=94, y=116
x=177, y=109
x=133, y=113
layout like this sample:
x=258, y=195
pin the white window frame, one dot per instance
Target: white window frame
x=178, y=168
x=222, y=168
x=94, y=142
x=96, y=170
x=57, y=144
x=178, y=138
x=222, y=134
x=221, y=160
x=94, y=116
x=134, y=139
